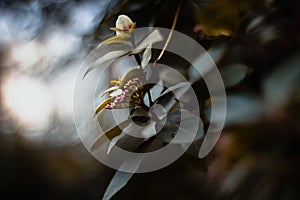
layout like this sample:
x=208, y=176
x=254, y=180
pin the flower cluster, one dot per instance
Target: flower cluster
x=127, y=91
x=130, y=93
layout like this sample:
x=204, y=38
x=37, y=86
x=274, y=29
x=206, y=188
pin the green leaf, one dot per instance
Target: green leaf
x=189, y=126
x=241, y=108
x=131, y=74
x=168, y=100
x=283, y=83
x=109, y=90
x=146, y=130
x=109, y=135
x=121, y=178
x=156, y=90
x=115, y=39
x=146, y=56
x=233, y=74
x=102, y=106
x=114, y=141
x=181, y=85
x=152, y=38
x=109, y=56
x=205, y=62
x=155, y=36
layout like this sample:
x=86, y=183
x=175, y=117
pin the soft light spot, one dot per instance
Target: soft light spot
x=62, y=91
x=60, y=44
x=29, y=102
x=29, y=56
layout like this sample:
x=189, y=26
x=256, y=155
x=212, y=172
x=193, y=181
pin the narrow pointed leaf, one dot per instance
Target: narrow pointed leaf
x=133, y=25
x=131, y=74
x=115, y=82
x=233, y=74
x=169, y=97
x=116, y=29
x=109, y=90
x=114, y=141
x=152, y=38
x=121, y=178
x=156, y=90
x=110, y=134
x=281, y=84
x=205, y=62
x=243, y=108
x=184, y=121
x=109, y=56
x=116, y=93
x=101, y=106
x=176, y=87
x=115, y=39
x=146, y=56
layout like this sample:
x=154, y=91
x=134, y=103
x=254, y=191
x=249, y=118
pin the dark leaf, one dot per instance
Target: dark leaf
x=114, y=141
x=188, y=124
x=109, y=135
x=147, y=55
x=121, y=178
x=152, y=38
x=109, y=56
x=205, y=62
x=240, y=109
x=233, y=74
x=281, y=84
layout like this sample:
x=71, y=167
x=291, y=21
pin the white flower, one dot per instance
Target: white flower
x=123, y=24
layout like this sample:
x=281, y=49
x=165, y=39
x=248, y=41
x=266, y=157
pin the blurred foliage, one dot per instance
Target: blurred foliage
x=257, y=156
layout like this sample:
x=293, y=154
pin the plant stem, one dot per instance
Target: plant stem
x=139, y=61
x=170, y=34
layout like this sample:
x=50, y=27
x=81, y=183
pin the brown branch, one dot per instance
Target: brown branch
x=171, y=32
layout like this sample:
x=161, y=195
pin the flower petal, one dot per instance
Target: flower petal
x=124, y=23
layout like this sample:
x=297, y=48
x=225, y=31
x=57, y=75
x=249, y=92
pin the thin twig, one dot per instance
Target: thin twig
x=170, y=34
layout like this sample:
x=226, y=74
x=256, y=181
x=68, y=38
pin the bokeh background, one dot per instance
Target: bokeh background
x=42, y=44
